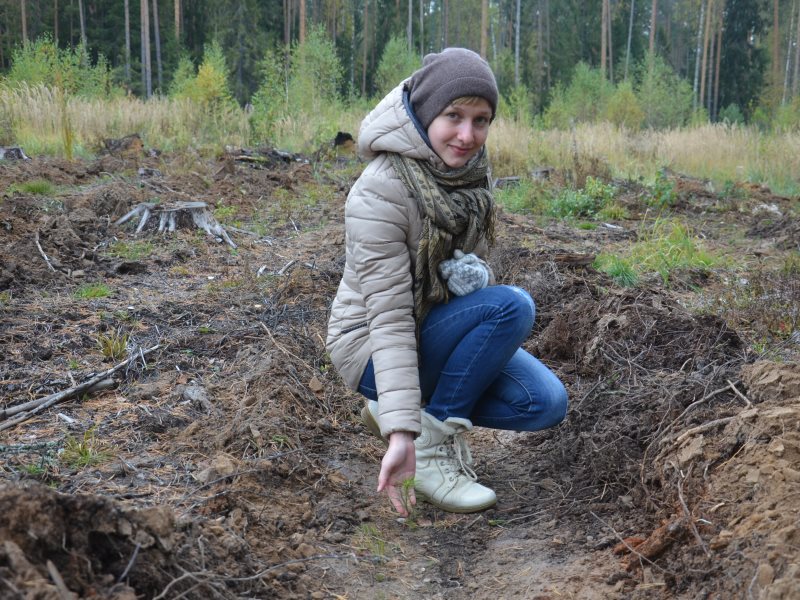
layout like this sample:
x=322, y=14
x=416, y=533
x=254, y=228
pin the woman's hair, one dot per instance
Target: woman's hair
x=468, y=100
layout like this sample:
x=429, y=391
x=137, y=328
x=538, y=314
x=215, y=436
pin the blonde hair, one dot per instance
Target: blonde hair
x=469, y=100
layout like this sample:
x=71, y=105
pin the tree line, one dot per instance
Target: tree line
x=737, y=56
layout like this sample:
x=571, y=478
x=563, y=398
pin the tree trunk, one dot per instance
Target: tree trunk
x=302, y=34
x=178, y=18
x=704, y=62
x=720, y=23
x=422, y=28
x=147, y=69
x=776, y=43
x=410, y=26
x=603, y=37
x=795, y=82
x=82, y=18
x=610, y=41
x=446, y=22
x=712, y=20
x=55, y=22
x=630, y=35
x=23, y=20
x=286, y=35
x=516, y=44
x=653, y=14
x=365, y=43
x=696, y=85
x=127, y=42
x=157, y=38
x=484, y=27
x=539, y=53
x=788, y=56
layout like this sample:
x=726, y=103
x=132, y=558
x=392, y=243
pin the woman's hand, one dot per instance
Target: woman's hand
x=398, y=467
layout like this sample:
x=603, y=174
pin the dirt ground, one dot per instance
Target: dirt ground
x=226, y=459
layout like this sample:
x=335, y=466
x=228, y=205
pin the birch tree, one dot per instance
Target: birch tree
x=157, y=39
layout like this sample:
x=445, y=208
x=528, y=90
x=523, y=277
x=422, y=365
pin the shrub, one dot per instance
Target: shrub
x=584, y=100
x=665, y=98
x=661, y=194
x=269, y=101
x=209, y=87
x=315, y=74
x=397, y=63
x=41, y=62
x=623, y=108
x=731, y=115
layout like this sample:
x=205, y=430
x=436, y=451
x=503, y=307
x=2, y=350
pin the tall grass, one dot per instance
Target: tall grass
x=721, y=153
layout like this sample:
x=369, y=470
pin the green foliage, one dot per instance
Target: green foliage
x=269, y=101
x=525, y=197
x=369, y=539
x=623, y=108
x=731, y=115
x=36, y=187
x=618, y=268
x=665, y=98
x=586, y=203
x=661, y=193
x=209, y=87
x=41, y=63
x=315, y=74
x=397, y=63
x=787, y=116
x=113, y=346
x=518, y=106
x=584, y=100
x=92, y=290
x=135, y=250
x=669, y=247
x=84, y=452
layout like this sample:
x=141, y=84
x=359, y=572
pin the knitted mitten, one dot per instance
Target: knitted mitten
x=464, y=273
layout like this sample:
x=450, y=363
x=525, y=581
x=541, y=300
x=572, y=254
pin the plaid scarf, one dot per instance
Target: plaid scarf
x=457, y=209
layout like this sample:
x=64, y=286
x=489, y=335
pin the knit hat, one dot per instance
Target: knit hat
x=446, y=76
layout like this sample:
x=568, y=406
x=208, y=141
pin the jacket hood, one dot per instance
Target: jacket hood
x=389, y=128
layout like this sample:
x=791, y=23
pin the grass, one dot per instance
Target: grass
x=36, y=187
x=135, y=250
x=85, y=451
x=718, y=152
x=91, y=291
x=369, y=539
x=668, y=247
x=113, y=346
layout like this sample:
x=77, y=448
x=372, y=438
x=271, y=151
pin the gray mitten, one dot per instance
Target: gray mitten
x=464, y=273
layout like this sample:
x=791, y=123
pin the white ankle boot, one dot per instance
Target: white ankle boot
x=444, y=467
x=369, y=415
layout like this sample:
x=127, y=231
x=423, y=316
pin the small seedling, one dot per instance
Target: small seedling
x=619, y=269
x=370, y=539
x=86, y=451
x=113, y=346
x=36, y=187
x=405, y=499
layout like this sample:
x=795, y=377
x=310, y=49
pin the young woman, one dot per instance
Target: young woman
x=417, y=325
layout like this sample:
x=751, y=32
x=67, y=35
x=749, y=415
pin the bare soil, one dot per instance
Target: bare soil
x=231, y=462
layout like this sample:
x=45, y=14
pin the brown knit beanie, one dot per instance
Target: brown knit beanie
x=450, y=74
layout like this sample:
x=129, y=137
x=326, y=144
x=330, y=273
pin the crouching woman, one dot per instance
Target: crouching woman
x=418, y=326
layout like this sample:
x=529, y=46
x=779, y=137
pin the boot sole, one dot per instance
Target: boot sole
x=456, y=509
x=372, y=424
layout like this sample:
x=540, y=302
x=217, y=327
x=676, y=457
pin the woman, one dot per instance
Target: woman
x=417, y=325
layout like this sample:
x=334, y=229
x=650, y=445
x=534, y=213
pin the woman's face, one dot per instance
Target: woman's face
x=459, y=132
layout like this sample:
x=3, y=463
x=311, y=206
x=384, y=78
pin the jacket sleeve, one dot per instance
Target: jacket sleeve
x=377, y=224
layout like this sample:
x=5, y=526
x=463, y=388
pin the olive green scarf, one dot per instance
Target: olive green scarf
x=458, y=211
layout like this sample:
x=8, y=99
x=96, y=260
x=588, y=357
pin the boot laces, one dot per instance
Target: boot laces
x=460, y=455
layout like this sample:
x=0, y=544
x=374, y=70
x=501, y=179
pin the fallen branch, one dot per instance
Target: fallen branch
x=37, y=406
x=740, y=394
x=701, y=429
x=689, y=517
x=44, y=256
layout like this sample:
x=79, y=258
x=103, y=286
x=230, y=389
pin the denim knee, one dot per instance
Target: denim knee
x=554, y=405
x=518, y=303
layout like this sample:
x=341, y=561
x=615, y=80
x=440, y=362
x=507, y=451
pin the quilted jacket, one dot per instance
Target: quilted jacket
x=372, y=313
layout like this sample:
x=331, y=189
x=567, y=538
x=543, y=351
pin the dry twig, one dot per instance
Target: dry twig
x=36, y=406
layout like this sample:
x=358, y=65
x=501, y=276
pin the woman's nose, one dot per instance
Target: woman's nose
x=465, y=133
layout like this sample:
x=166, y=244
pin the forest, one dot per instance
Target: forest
x=732, y=60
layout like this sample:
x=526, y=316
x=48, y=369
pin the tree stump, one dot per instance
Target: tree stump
x=170, y=215
x=12, y=153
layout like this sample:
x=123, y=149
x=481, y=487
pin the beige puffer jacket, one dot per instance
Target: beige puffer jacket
x=372, y=314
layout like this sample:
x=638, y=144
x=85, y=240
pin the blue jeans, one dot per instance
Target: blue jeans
x=472, y=365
